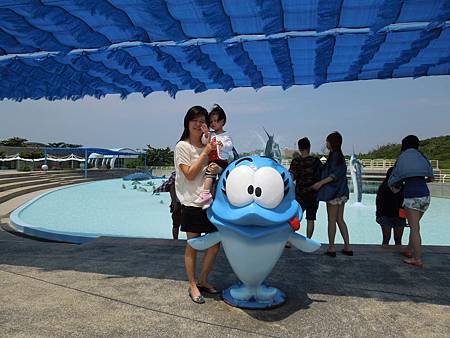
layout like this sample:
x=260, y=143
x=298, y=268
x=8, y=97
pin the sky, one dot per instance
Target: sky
x=367, y=113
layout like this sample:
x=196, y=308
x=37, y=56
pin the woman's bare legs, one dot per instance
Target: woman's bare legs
x=336, y=215
x=190, y=257
x=207, y=264
x=332, y=212
x=415, y=241
x=343, y=226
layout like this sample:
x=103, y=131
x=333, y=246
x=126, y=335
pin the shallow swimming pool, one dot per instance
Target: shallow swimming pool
x=105, y=208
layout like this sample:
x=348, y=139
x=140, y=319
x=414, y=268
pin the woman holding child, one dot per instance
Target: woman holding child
x=191, y=164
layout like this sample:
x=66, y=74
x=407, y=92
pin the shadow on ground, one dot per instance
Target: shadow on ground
x=371, y=273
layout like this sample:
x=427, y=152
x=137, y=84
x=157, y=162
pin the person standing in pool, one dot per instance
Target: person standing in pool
x=191, y=163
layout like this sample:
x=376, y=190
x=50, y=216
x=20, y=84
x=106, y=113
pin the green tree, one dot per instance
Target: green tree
x=14, y=142
x=32, y=153
x=159, y=156
x=63, y=145
x=139, y=162
x=435, y=148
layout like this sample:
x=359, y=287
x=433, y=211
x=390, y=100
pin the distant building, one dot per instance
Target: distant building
x=112, y=161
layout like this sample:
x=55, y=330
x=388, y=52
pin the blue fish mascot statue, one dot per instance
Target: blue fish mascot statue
x=256, y=213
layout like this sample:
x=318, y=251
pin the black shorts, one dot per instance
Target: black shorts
x=193, y=219
x=391, y=221
x=310, y=209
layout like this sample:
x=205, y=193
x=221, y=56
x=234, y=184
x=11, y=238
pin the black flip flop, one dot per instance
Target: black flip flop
x=347, y=252
x=198, y=299
x=330, y=253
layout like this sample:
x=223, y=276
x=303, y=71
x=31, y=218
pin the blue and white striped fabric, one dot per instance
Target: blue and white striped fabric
x=67, y=49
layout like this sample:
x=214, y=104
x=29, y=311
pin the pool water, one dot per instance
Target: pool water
x=105, y=208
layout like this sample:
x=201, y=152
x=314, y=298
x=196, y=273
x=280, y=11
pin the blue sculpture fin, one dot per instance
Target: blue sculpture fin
x=302, y=243
x=204, y=242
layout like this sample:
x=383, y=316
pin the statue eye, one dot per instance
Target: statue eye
x=239, y=186
x=269, y=187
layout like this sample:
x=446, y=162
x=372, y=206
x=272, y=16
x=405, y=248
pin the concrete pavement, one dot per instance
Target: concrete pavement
x=137, y=287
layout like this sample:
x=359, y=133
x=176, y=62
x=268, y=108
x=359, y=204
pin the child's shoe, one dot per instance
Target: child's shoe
x=205, y=199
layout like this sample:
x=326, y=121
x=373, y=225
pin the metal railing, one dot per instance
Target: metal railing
x=442, y=176
x=377, y=163
x=381, y=163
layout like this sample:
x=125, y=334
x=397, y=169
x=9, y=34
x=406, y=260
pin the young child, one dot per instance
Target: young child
x=413, y=170
x=223, y=149
x=389, y=205
x=305, y=171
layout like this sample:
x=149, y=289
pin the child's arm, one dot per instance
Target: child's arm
x=318, y=185
x=336, y=172
x=205, y=136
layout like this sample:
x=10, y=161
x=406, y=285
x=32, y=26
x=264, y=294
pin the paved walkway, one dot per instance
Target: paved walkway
x=136, y=287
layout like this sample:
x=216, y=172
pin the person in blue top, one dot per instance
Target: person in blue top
x=333, y=189
x=412, y=170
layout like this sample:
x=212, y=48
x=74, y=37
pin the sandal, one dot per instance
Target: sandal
x=347, y=252
x=330, y=253
x=413, y=261
x=407, y=254
x=211, y=289
x=198, y=299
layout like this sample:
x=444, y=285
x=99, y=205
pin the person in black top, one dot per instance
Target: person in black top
x=388, y=217
x=305, y=171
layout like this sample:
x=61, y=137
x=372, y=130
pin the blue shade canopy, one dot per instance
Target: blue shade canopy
x=67, y=49
x=89, y=151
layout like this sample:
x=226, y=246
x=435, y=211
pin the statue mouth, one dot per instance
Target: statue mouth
x=250, y=230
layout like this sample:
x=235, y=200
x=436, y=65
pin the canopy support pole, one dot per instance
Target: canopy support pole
x=85, y=163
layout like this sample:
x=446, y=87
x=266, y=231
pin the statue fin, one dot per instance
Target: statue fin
x=204, y=242
x=302, y=243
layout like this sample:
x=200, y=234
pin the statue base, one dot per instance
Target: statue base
x=252, y=303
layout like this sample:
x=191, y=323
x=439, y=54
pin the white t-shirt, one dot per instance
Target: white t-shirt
x=188, y=191
x=226, y=151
